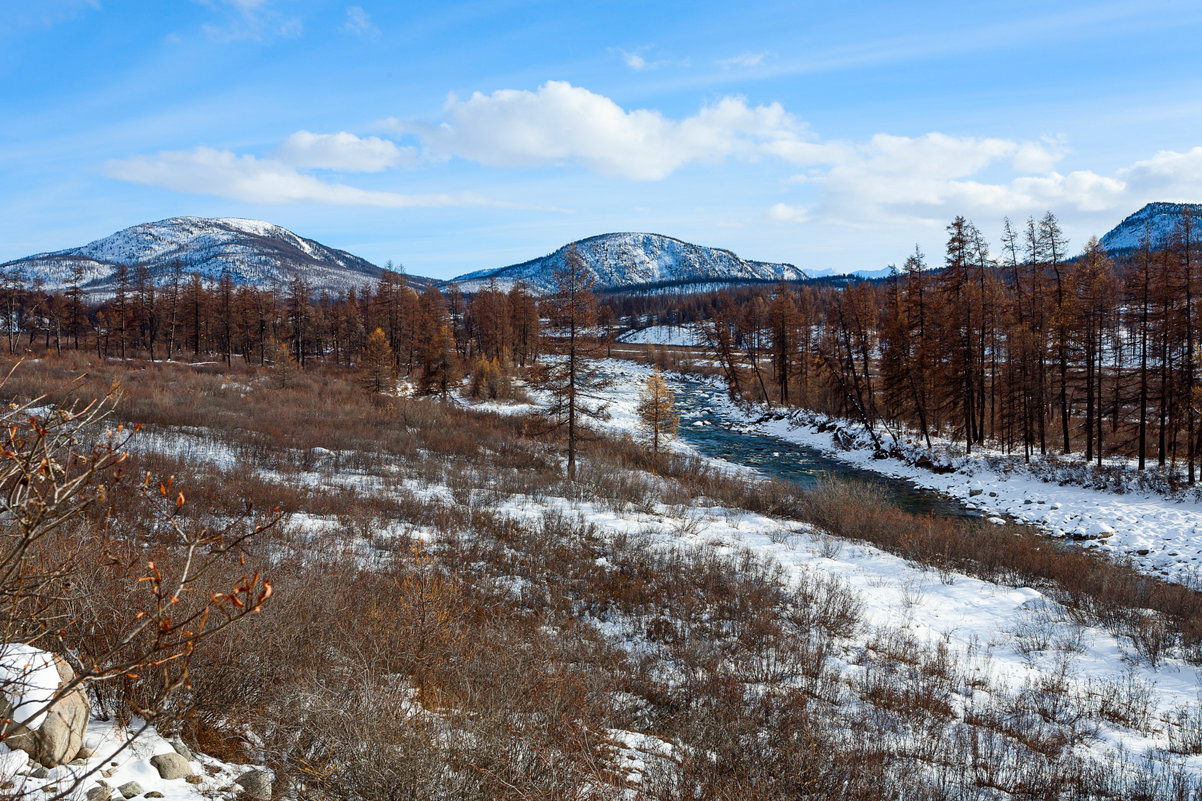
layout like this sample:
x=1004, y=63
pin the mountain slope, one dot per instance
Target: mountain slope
x=631, y=260
x=251, y=251
x=1158, y=219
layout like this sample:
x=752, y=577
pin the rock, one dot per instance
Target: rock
x=130, y=789
x=85, y=753
x=99, y=794
x=256, y=783
x=975, y=492
x=181, y=748
x=193, y=779
x=154, y=794
x=171, y=766
x=60, y=736
x=40, y=773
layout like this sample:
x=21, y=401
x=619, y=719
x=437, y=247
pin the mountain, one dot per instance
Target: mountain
x=1156, y=218
x=253, y=252
x=630, y=261
x=867, y=275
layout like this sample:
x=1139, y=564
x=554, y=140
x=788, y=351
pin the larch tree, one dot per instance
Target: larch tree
x=657, y=410
x=572, y=380
x=377, y=363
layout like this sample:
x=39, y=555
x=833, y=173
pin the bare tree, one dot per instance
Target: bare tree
x=572, y=380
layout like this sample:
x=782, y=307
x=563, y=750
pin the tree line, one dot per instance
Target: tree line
x=428, y=334
x=1025, y=348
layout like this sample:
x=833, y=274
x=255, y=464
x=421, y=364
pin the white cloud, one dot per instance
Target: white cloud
x=358, y=22
x=783, y=212
x=561, y=123
x=206, y=171
x=743, y=60
x=634, y=60
x=342, y=151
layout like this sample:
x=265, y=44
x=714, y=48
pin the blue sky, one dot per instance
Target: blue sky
x=449, y=137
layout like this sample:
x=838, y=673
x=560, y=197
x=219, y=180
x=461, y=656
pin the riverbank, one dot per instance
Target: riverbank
x=1159, y=535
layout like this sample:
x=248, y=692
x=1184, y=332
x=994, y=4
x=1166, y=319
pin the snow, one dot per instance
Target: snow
x=30, y=680
x=661, y=335
x=123, y=758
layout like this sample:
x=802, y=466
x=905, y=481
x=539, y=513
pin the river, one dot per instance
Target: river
x=703, y=426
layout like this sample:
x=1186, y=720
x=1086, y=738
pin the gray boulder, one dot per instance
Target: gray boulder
x=180, y=748
x=59, y=738
x=256, y=783
x=100, y=793
x=171, y=766
x=130, y=789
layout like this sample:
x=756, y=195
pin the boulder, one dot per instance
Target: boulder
x=99, y=793
x=58, y=735
x=180, y=748
x=256, y=783
x=171, y=766
x=130, y=790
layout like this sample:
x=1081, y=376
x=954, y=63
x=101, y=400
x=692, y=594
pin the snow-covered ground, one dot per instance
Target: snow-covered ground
x=1158, y=534
x=661, y=335
x=1012, y=640
x=116, y=761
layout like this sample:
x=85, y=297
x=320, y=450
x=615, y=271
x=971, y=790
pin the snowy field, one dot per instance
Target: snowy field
x=1016, y=644
x=1013, y=638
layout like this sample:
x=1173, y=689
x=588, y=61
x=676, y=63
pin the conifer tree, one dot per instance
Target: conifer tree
x=377, y=365
x=572, y=381
x=657, y=410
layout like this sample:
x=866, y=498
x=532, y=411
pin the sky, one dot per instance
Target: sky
x=454, y=136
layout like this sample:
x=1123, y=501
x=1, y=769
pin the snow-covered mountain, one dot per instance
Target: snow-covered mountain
x=252, y=251
x=1158, y=219
x=619, y=261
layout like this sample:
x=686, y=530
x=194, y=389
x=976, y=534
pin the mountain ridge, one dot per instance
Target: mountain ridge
x=632, y=259
x=1157, y=219
x=250, y=251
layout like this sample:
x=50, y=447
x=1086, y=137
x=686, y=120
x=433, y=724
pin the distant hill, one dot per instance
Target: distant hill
x=251, y=251
x=1157, y=219
x=631, y=260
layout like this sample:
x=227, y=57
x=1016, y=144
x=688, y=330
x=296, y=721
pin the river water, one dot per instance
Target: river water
x=703, y=426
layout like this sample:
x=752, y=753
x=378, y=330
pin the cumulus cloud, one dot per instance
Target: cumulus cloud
x=342, y=151
x=207, y=171
x=358, y=23
x=560, y=123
